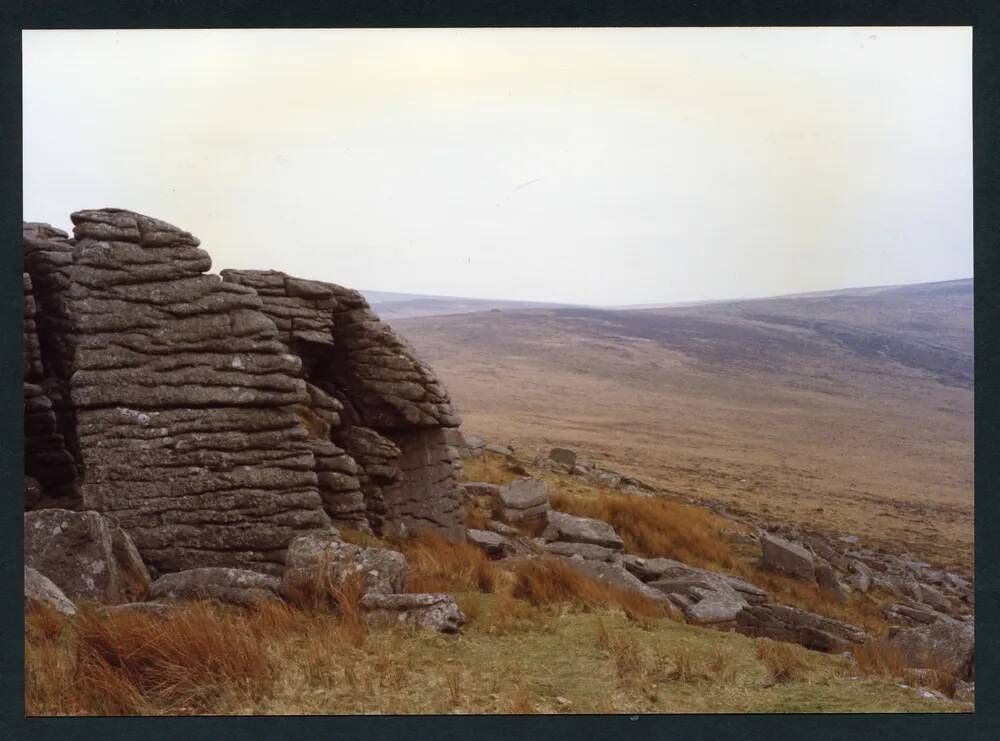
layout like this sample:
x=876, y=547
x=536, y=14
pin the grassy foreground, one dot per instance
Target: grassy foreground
x=512, y=658
x=540, y=638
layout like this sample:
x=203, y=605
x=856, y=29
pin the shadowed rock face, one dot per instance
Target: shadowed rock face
x=200, y=414
x=393, y=411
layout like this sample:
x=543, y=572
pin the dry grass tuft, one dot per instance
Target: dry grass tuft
x=127, y=661
x=655, y=526
x=784, y=661
x=878, y=658
x=550, y=581
x=435, y=564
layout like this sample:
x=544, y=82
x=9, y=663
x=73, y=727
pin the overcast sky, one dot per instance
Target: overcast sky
x=601, y=166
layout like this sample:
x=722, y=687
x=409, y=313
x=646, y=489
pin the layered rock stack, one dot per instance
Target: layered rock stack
x=392, y=411
x=201, y=414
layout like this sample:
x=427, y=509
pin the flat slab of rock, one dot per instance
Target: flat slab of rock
x=493, y=544
x=40, y=589
x=523, y=500
x=86, y=555
x=949, y=641
x=574, y=529
x=437, y=612
x=790, y=624
x=788, y=557
x=473, y=489
x=615, y=576
x=327, y=557
x=588, y=551
x=234, y=586
x=563, y=455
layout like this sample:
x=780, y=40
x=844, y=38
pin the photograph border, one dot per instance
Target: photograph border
x=982, y=15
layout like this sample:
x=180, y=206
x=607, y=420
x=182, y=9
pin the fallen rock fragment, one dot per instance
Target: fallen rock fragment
x=39, y=589
x=790, y=558
x=573, y=529
x=522, y=501
x=85, y=554
x=437, y=612
x=323, y=558
x=233, y=586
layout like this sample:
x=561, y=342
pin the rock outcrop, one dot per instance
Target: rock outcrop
x=217, y=420
x=85, y=554
x=389, y=411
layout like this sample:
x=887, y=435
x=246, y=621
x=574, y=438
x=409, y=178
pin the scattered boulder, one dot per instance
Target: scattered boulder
x=327, y=558
x=493, y=544
x=499, y=449
x=790, y=558
x=473, y=489
x=85, y=554
x=861, y=578
x=616, y=576
x=521, y=501
x=783, y=623
x=947, y=641
x=910, y=614
x=564, y=456
x=647, y=569
x=503, y=529
x=38, y=588
x=234, y=586
x=573, y=529
x=827, y=579
x=589, y=551
x=474, y=447
x=437, y=612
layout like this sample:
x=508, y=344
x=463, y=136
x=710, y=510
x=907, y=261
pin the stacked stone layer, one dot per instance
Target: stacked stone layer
x=216, y=420
x=393, y=412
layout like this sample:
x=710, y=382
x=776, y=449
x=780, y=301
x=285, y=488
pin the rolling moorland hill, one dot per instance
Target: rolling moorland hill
x=848, y=410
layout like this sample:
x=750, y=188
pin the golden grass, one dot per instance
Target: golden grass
x=513, y=658
x=551, y=581
x=435, y=564
x=784, y=661
x=656, y=526
x=879, y=658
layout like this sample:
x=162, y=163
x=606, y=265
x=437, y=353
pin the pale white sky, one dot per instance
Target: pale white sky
x=600, y=166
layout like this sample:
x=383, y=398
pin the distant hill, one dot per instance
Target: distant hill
x=390, y=305
x=850, y=408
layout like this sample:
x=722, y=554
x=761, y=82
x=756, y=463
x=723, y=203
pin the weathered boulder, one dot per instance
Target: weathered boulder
x=573, y=529
x=437, y=612
x=945, y=641
x=323, y=558
x=784, y=623
x=493, y=544
x=521, y=501
x=589, y=551
x=861, y=576
x=235, y=586
x=473, y=489
x=827, y=579
x=38, y=588
x=910, y=614
x=783, y=555
x=85, y=554
x=647, y=569
x=616, y=576
x=564, y=456
x=499, y=449
x=503, y=529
